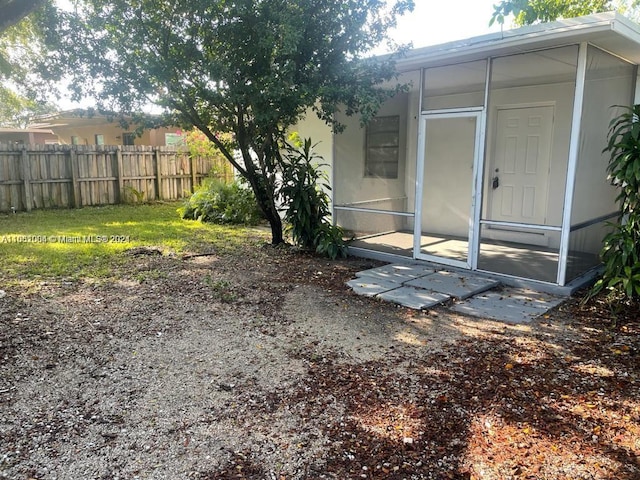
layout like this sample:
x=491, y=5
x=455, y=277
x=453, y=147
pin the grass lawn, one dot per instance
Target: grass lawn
x=90, y=242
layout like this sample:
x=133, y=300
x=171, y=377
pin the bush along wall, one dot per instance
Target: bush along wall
x=306, y=203
x=621, y=251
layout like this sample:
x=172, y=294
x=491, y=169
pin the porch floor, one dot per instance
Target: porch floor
x=421, y=286
x=531, y=261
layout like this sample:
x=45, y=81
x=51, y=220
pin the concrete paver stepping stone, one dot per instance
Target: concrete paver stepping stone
x=416, y=298
x=513, y=305
x=420, y=286
x=398, y=279
x=458, y=285
x=397, y=273
x=370, y=286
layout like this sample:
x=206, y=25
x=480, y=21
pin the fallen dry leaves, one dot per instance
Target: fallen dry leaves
x=560, y=400
x=538, y=406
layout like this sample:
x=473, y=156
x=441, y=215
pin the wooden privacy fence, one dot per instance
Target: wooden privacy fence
x=54, y=176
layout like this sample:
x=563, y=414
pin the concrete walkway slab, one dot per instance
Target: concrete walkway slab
x=415, y=298
x=387, y=276
x=511, y=305
x=370, y=286
x=397, y=273
x=454, y=284
x=419, y=286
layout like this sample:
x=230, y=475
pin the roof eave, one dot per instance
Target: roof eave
x=528, y=38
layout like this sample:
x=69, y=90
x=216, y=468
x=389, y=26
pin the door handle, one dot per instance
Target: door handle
x=496, y=182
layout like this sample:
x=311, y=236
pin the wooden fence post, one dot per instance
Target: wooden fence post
x=120, y=176
x=26, y=179
x=75, y=185
x=156, y=172
x=194, y=172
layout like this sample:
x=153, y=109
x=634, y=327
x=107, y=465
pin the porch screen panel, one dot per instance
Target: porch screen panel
x=455, y=86
x=609, y=82
x=371, y=167
x=519, y=256
x=528, y=134
x=529, y=127
x=379, y=232
x=585, y=243
x=447, y=186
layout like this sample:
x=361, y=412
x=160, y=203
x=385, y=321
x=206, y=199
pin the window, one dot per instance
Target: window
x=128, y=138
x=75, y=140
x=174, y=139
x=383, y=147
x=99, y=139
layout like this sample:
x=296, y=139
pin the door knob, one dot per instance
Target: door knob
x=496, y=182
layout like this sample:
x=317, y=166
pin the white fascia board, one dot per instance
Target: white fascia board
x=627, y=28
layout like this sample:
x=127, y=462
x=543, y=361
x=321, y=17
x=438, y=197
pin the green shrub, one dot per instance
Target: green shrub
x=330, y=241
x=307, y=212
x=224, y=203
x=621, y=252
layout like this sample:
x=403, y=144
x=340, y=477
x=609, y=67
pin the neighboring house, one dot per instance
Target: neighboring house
x=492, y=161
x=25, y=136
x=81, y=127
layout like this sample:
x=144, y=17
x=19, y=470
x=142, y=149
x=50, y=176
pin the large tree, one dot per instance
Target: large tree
x=18, y=111
x=252, y=68
x=23, y=48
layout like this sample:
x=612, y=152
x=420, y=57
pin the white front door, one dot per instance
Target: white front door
x=519, y=175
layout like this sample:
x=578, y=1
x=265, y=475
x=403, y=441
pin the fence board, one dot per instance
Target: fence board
x=10, y=182
x=55, y=176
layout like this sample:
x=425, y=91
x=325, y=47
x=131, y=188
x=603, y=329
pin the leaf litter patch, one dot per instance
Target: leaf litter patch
x=559, y=400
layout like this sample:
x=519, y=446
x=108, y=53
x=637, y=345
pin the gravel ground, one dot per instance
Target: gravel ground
x=261, y=365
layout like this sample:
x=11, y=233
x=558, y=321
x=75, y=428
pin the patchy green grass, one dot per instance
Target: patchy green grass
x=91, y=242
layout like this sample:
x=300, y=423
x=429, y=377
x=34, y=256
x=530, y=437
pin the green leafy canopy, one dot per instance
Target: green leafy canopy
x=22, y=50
x=527, y=12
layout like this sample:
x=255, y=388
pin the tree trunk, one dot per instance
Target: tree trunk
x=267, y=205
x=276, y=230
x=263, y=189
x=266, y=202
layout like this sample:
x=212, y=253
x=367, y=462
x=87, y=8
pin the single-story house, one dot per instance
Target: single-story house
x=87, y=127
x=492, y=161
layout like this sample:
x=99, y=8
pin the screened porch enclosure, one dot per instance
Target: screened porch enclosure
x=493, y=164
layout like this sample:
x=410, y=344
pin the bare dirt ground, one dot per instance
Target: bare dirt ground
x=262, y=365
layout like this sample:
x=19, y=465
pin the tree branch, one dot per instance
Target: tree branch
x=15, y=10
